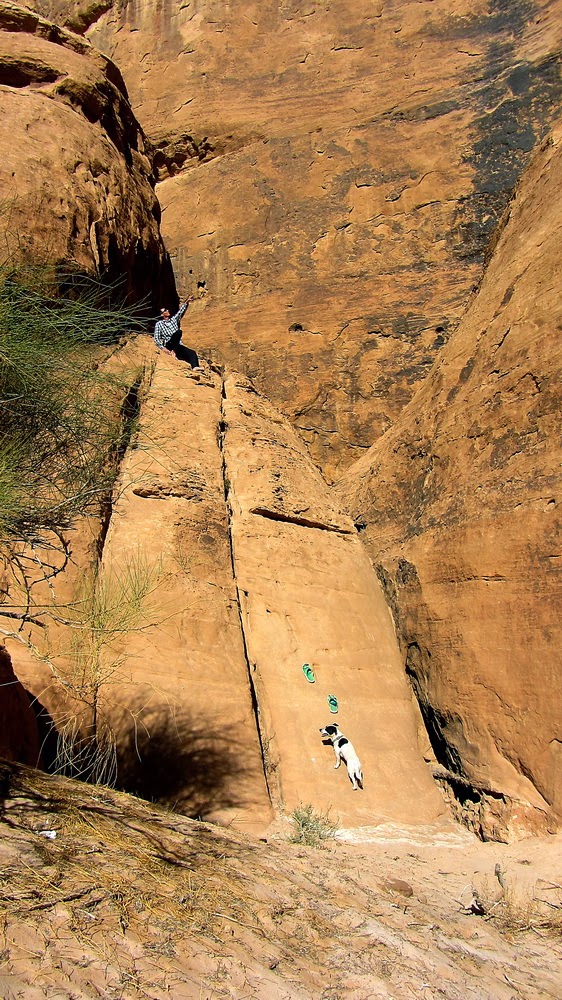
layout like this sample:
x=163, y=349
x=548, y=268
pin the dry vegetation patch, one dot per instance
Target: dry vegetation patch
x=104, y=895
x=516, y=904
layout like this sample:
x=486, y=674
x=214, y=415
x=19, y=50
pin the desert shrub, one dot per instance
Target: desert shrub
x=59, y=413
x=64, y=424
x=110, y=606
x=88, y=661
x=90, y=756
x=310, y=827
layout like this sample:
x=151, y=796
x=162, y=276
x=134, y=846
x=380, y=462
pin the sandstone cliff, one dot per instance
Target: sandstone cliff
x=257, y=573
x=461, y=508
x=331, y=176
x=261, y=573
x=76, y=182
x=338, y=197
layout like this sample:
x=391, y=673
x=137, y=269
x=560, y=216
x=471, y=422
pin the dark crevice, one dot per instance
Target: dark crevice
x=435, y=722
x=303, y=522
x=130, y=409
x=464, y=789
x=170, y=156
x=222, y=427
x=486, y=811
x=25, y=72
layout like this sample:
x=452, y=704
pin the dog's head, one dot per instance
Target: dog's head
x=329, y=732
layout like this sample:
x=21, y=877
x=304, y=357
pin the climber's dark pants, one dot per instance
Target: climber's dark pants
x=174, y=342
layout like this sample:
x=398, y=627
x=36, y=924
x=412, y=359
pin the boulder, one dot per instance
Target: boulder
x=76, y=181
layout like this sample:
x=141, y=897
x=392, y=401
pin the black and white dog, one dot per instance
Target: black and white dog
x=344, y=750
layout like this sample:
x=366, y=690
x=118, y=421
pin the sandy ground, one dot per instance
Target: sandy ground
x=126, y=900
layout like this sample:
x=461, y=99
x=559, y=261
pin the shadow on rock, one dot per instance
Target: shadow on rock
x=184, y=353
x=177, y=760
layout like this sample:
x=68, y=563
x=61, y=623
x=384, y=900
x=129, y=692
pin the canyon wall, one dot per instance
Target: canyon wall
x=254, y=571
x=460, y=505
x=259, y=572
x=336, y=182
x=332, y=174
x=76, y=181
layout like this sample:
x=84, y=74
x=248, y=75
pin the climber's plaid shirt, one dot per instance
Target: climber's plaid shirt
x=165, y=328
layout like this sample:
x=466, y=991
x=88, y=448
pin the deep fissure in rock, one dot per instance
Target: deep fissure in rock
x=222, y=427
x=130, y=410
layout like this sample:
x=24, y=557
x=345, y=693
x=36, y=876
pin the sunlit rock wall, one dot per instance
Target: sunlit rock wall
x=332, y=174
x=75, y=179
x=461, y=508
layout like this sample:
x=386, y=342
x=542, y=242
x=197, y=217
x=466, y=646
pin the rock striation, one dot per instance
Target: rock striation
x=332, y=175
x=460, y=502
x=76, y=180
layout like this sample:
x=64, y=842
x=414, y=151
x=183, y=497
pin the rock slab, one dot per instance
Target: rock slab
x=308, y=594
x=181, y=704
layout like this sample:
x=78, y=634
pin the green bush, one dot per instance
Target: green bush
x=60, y=415
x=64, y=424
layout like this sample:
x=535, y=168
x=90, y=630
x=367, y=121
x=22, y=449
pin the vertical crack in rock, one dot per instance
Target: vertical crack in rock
x=130, y=410
x=253, y=692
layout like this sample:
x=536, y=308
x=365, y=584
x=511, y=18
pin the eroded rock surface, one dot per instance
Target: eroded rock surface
x=308, y=594
x=461, y=503
x=77, y=184
x=332, y=174
x=181, y=704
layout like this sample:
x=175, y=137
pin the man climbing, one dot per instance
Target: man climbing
x=167, y=333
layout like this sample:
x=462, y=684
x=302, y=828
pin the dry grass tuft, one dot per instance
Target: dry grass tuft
x=311, y=828
x=517, y=907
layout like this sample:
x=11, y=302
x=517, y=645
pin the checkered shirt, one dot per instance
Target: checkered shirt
x=165, y=328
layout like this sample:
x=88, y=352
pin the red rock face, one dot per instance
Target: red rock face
x=331, y=177
x=75, y=178
x=335, y=183
x=19, y=738
x=462, y=506
x=308, y=594
x=255, y=571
